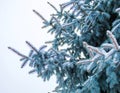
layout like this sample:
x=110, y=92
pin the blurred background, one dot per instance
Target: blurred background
x=17, y=24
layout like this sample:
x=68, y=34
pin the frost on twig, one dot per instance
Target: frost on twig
x=53, y=7
x=88, y=50
x=84, y=61
x=117, y=10
x=113, y=39
x=107, y=45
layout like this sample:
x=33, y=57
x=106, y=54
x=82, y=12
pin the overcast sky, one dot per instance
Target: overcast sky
x=17, y=24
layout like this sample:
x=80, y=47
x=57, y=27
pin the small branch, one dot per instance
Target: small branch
x=32, y=47
x=40, y=15
x=18, y=53
x=113, y=39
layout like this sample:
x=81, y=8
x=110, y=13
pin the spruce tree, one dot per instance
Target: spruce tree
x=85, y=52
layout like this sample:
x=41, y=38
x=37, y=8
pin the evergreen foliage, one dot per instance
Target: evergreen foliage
x=91, y=61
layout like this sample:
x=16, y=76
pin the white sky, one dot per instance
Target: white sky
x=17, y=24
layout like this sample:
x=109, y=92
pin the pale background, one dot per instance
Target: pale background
x=17, y=24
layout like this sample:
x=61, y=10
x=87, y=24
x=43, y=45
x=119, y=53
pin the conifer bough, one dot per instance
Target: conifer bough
x=91, y=61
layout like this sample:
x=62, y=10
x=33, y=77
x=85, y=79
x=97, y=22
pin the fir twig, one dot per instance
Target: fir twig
x=111, y=52
x=32, y=71
x=84, y=61
x=42, y=47
x=40, y=15
x=67, y=24
x=32, y=47
x=18, y=53
x=107, y=45
x=54, y=50
x=88, y=50
x=57, y=21
x=24, y=63
x=66, y=4
x=94, y=49
x=113, y=39
x=53, y=7
x=47, y=42
x=96, y=57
